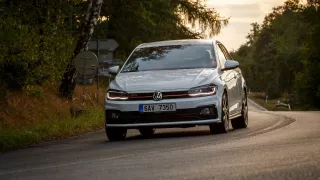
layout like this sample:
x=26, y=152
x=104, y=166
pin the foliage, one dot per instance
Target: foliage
x=38, y=37
x=282, y=54
x=34, y=91
x=135, y=22
x=36, y=40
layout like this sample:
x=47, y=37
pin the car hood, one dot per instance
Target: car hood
x=162, y=80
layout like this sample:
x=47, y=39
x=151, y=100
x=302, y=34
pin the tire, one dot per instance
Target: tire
x=116, y=134
x=242, y=121
x=147, y=132
x=222, y=127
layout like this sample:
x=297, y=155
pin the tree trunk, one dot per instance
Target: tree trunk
x=67, y=83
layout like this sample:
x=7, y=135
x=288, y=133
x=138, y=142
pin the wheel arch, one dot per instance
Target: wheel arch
x=226, y=92
x=245, y=90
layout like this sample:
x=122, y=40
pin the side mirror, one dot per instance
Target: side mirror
x=230, y=64
x=114, y=70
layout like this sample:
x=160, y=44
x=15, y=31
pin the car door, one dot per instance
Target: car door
x=228, y=77
x=238, y=76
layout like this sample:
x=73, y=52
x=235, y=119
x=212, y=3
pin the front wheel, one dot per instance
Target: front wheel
x=242, y=121
x=116, y=134
x=222, y=127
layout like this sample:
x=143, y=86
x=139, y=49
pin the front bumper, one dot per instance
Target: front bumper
x=126, y=114
x=164, y=124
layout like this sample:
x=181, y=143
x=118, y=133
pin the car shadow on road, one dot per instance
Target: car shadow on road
x=173, y=135
x=176, y=134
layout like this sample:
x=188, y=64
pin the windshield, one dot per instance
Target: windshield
x=187, y=56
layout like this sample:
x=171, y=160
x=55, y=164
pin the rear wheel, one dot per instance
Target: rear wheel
x=116, y=134
x=222, y=127
x=147, y=132
x=242, y=121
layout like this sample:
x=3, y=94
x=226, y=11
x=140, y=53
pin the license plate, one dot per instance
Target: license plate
x=157, y=107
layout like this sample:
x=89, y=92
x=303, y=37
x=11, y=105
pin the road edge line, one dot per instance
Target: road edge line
x=264, y=109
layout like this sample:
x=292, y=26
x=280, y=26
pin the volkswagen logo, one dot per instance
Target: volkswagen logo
x=157, y=96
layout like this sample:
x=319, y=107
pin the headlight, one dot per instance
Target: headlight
x=117, y=95
x=205, y=90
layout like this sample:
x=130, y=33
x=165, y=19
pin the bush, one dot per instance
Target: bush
x=36, y=91
x=28, y=58
x=3, y=91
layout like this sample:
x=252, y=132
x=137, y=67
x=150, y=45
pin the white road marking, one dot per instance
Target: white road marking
x=260, y=107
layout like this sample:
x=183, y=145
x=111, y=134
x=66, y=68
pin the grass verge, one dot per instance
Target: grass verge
x=15, y=138
x=270, y=106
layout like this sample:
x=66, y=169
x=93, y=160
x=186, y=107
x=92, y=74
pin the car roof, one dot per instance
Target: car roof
x=177, y=42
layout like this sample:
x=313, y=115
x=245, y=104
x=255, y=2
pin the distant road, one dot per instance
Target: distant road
x=282, y=145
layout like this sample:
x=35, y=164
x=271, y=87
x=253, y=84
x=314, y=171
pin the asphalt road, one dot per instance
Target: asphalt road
x=282, y=145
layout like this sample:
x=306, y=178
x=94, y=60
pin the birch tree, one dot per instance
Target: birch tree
x=68, y=84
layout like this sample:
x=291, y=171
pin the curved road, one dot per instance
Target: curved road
x=282, y=145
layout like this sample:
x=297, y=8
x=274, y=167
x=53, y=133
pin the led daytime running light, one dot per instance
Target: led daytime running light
x=203, y=94
x=121, y=95
x=205, y=90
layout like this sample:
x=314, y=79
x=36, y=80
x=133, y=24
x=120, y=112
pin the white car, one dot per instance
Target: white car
x=179, y=83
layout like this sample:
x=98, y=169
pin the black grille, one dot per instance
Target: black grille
x=179, y=115
x=165, y=95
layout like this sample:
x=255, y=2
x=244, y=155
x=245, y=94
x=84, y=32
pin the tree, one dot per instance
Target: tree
x=282, y=54
x=91, y=17
x=35, y=40
x=135, y=22
x=40, y=38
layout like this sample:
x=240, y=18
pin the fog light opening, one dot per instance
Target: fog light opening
x=115, y=116
x=205, y=111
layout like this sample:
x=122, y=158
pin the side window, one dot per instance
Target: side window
x=222, y=58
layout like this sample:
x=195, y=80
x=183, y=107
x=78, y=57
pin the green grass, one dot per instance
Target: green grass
x=11, y=139
x=270, y=106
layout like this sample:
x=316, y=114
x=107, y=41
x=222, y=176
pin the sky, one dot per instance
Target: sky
x=242, y=13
